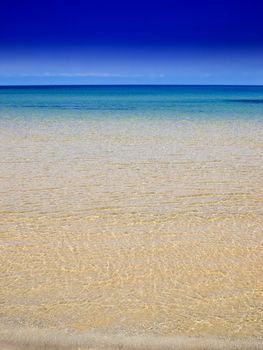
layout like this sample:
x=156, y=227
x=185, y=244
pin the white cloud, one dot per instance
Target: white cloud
x=68, y=74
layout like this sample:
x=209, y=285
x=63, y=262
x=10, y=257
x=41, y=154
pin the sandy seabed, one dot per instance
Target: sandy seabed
x=131, y=234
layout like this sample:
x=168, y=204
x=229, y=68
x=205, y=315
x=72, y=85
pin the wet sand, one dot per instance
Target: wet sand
x=14, y=339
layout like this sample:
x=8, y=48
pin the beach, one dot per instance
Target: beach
x=131, y=213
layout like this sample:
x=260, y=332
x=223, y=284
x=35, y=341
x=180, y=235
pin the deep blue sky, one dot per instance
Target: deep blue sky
x=174, y=42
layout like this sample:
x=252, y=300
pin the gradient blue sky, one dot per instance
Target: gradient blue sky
x=131, y=42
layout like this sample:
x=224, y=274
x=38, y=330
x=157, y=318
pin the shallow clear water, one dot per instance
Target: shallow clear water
x=132, y=210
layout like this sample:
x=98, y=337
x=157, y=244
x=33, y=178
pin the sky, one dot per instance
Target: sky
x=131, y=42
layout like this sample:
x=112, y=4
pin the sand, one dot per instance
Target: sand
x=133, y=228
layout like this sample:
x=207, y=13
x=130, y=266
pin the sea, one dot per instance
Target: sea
x=132, y=210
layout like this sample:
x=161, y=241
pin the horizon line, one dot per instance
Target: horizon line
x=98, y=85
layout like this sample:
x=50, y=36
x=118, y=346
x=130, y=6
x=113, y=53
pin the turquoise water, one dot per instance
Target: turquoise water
x=178, y=102
x=131, y=210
